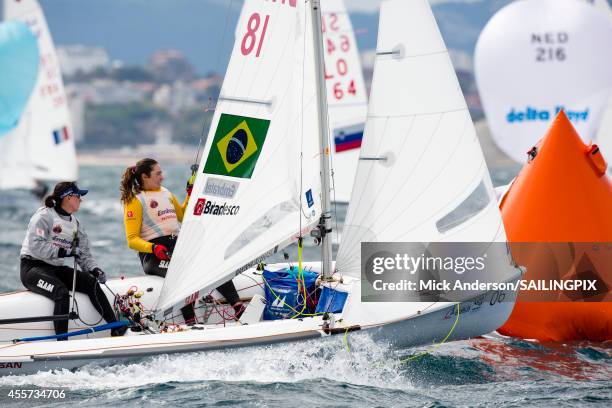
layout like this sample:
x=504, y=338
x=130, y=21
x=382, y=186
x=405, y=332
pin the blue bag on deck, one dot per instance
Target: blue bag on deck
x=285, y=286
x=331, y=301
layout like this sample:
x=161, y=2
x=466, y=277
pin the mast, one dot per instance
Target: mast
x=325, y=223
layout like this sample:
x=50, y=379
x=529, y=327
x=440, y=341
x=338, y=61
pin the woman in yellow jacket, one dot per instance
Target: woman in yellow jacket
x=151, y=214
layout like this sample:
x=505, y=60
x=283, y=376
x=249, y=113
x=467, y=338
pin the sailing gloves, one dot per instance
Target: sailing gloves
x=194, y=171
x=160, y=252
x=74, y=252
x=98, y=274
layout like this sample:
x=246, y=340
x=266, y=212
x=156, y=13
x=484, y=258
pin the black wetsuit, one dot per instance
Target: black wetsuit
x=55, y=283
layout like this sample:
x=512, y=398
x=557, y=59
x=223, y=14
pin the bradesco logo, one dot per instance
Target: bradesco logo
x=204, y=206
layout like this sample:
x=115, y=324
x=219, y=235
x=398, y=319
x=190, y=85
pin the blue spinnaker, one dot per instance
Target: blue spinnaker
x=19, y=60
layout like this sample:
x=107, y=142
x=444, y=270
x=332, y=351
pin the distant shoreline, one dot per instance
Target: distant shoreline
x=168, y=154
x=186, y=154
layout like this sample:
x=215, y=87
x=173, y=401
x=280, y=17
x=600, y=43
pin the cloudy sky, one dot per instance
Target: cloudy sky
x=372, y=6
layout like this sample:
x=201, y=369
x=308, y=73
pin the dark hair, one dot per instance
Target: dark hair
x=53, y=199
x=131, y=181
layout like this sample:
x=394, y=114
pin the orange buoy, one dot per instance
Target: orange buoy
x=562, y=200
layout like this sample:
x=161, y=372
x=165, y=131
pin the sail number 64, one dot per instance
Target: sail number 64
x=250, y=38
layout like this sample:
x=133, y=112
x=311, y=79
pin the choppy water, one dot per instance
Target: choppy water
x=483, y=372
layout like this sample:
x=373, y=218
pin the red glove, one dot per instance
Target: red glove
x=189, y=189
x=161, y=252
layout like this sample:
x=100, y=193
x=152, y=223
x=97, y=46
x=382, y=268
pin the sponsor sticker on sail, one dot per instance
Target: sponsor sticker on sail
x=237, y=145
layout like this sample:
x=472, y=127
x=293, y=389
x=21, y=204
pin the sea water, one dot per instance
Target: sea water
x=337, y=371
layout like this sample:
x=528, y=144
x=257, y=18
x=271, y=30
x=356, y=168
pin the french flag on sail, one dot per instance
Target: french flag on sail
x=348, y=138
x=59, y=135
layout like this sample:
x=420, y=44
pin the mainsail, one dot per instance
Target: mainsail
x=422, y=176
x=50, y=146
x=259, y=183
x=346, y=95
x=536, y=57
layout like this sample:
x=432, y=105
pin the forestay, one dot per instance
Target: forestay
x=259, y=180
x=535, y=57
x=421, y=175
x=346, y=95
x=50, y=141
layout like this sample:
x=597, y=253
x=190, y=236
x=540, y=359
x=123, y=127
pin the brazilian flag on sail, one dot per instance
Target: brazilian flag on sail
x=236, y=147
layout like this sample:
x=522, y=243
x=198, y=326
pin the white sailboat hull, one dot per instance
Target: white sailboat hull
x=406, y=325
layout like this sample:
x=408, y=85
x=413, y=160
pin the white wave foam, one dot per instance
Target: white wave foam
x=103, y=207
x=367, y=363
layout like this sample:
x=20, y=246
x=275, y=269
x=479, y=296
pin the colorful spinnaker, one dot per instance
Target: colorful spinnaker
x=18, y=72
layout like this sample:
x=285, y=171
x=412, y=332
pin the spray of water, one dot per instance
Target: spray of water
x=367, y=363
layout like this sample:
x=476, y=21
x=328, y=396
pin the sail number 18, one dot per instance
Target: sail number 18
x=250, y=38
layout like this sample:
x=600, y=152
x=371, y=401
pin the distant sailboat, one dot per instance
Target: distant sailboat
x=346, y=96
x=536, y=57
x=43, y=143
x=264, y=183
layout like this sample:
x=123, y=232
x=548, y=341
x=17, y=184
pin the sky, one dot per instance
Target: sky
x=372, y=6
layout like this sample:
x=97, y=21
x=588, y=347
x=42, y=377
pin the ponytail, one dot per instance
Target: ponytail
x=49, y=201
x=131, y=181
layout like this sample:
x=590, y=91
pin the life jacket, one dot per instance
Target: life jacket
x=63, y=231
x=158, y=214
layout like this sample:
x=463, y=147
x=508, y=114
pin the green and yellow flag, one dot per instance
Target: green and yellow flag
x=237, y=145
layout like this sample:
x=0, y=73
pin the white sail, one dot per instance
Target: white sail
x=602, y=5
x=346, y=95
x=17, y=171
x=604, y=132
x=422, y=176
x=265, y=178
x=50, y=145
x=535, y=57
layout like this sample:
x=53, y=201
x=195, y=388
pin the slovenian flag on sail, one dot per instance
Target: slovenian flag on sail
x=348, y=138
x=59, y=135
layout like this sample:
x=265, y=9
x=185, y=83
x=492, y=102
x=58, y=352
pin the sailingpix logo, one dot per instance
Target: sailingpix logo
x=236, y=147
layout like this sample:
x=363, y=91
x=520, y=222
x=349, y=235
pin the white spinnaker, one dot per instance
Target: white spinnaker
x=604, y=132
x=602, y=5
x=346, y=95
x=535, y=56
x=50, y=144
x=278, y=86
x=422, y=176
